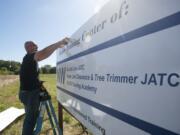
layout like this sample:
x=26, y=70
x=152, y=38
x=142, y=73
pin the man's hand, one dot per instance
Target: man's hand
x=63, y=42
x=46, y=52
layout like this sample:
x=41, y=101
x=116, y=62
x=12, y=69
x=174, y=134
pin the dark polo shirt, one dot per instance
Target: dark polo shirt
x=29, y=73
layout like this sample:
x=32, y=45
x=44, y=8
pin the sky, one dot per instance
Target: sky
x=42, y=21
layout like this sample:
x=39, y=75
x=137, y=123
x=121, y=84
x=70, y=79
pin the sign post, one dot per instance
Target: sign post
x=60, y=116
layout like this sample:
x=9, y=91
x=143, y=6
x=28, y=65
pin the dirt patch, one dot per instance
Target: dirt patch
x=70, y=129
x=7, y=79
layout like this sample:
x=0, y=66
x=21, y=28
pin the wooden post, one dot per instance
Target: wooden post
x=60, y=116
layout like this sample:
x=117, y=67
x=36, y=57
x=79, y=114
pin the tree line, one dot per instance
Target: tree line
x=13, y=67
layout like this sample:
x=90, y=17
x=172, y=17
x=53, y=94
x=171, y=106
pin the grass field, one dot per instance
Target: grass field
x=9, y=97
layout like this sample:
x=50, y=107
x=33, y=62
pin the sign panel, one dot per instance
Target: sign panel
x=121, y=75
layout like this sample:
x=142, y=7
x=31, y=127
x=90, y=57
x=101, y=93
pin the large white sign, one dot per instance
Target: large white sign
x=122, y=74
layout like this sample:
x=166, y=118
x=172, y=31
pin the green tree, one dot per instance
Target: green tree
x=52, y=70
x=9, y=67
x=45, y=69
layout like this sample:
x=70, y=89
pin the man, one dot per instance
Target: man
x=29, y=81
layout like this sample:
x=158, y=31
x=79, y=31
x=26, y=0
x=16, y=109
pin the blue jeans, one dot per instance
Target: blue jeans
x=31, y=102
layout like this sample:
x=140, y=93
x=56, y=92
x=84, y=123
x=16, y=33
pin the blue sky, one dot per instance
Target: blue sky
x=42, y=21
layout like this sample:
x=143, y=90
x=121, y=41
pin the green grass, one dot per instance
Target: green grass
x=9, y=97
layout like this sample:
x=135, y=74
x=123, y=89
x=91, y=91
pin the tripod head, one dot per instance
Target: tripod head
x=44, y=95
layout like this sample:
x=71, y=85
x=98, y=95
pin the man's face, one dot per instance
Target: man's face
x=32, y=47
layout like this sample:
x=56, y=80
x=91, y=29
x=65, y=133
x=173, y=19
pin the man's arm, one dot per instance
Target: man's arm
x=46, y=52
